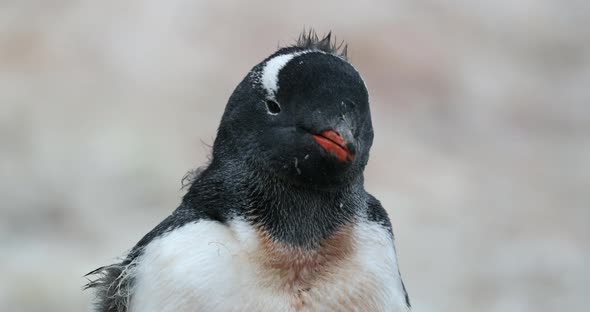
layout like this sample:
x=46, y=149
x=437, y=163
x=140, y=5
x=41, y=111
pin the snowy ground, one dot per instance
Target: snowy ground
x=481, y=114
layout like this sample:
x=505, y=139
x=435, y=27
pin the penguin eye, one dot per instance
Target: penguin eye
x=273, y=107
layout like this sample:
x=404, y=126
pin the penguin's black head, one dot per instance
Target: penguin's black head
x=302, y=114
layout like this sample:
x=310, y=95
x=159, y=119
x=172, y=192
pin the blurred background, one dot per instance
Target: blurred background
x=480, y=108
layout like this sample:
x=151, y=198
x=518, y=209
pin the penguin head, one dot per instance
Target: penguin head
x=302, y=115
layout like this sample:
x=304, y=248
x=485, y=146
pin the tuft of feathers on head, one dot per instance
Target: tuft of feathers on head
x=309, y=40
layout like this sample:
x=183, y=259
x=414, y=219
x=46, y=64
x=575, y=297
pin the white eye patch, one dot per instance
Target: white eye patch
x=270, y=72
x=269, y=75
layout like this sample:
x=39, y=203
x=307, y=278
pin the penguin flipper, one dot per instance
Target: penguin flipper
x=113, y=284
x=378, y=214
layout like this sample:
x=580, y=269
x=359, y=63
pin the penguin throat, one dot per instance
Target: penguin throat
x=294, y=216
x=299, y=217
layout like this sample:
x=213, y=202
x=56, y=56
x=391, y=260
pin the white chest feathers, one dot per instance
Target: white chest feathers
x=209, y=266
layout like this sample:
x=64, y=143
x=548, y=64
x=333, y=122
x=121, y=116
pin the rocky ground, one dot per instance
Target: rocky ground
x=481, y=114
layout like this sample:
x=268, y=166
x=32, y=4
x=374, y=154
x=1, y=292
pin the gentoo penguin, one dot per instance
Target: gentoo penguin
x=279, y=220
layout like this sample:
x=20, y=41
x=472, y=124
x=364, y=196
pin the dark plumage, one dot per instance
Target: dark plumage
x=288, y=158
x=310, y=41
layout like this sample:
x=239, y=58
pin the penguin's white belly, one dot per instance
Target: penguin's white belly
x=208, y=266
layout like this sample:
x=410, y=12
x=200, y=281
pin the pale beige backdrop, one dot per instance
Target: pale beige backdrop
x=481, y=112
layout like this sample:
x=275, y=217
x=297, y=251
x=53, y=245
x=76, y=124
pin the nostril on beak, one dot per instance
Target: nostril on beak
x=345, y=133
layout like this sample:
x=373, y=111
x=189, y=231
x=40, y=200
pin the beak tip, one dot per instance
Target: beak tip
x=351, y=148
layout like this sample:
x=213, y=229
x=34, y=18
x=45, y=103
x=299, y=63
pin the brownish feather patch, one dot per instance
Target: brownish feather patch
x=297, y=269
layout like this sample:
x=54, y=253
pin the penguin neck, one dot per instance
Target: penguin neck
x=295, y=215
x=285, y=212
